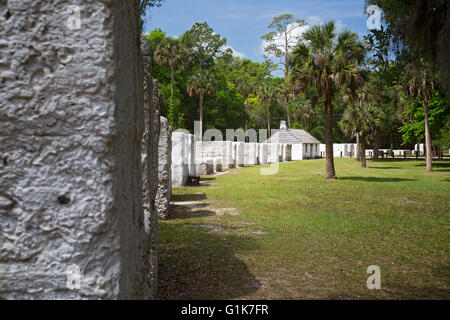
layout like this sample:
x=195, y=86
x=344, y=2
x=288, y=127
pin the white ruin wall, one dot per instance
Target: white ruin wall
x=250, y=154
x=164, y=193
x=70, y=199
x=183, y=158
x=149, y=149
x=239, y=154
x=273, y=152
x=179, y=170
x=263, y=153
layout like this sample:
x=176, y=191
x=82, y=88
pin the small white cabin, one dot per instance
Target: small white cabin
x=304, y=145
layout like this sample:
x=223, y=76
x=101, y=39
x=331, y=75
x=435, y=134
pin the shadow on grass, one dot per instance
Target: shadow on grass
x=188, y=197
x=201, y=264
x=376, y=179
x=390, y=168
x=203, y=178
x=440, y=166
x=186, y=211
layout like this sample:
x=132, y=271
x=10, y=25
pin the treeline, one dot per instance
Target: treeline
x=382, y=91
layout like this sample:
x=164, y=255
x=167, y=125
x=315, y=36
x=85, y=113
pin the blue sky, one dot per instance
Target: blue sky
x=243, y=22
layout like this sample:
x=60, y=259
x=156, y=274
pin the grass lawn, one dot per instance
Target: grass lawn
x=295, y=235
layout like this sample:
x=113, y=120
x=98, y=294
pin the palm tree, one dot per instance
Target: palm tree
x=328, y=61
x=421, y=85
x=361, y=118
x=200, y=84
x=173, y=54
x=267, y=93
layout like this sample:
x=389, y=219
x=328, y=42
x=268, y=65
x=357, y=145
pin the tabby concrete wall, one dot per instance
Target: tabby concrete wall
x=149, y=156
x=164, y=193
x=263, y=151
x=70, y=139
x=183, y=158
x=273, y=152
x=250, y=154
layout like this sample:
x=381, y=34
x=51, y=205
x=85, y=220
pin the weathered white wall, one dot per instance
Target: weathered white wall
x=70, y=191
x=149, y=159
x=297, y=152
x=273, y=152
x=250, y=154
x=263, y=153
x=184, y=150
x=180, y=171
x=164, y=193
x=240, y=154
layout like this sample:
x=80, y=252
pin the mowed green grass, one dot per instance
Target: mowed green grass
x=295, y=235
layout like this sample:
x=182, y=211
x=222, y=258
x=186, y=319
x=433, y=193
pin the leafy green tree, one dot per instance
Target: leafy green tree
x=204, y=45
x=172, y=54
x=267, y=93
x=421, y=85
x=246, y=76
x=439, y=117
x=200, y=84
x=328, y=60
x=421, y=26
x=362, y=119
x=280, y=44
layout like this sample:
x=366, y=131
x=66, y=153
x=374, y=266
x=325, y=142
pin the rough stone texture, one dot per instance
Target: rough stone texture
x=274, y=152
x=70, y=191
x=190, y=154
x=150, y=168
x=240, y=154
x=164, y=171
x=180, y=171
x=219, y=151
x=250, y=156
x=263, y=153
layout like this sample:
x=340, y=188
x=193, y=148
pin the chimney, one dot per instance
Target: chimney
x=283, y=125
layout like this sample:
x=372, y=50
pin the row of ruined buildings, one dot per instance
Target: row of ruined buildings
x=87, y=163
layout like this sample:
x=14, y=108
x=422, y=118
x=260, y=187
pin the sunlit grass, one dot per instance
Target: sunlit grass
x=295, y=235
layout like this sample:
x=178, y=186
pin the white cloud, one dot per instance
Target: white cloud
x=235, y=53
x=313, y=20
x=296, y=34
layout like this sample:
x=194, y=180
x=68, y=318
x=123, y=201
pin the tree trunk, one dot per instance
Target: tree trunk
x=200, y=103
x=358, y=147
x=286, y=100
x=268, y=122
x=330, y=172
x=376, y=146
x=363, y=151
x=428, y=137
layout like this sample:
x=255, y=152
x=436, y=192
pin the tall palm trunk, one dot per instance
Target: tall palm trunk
x=363, y=151
x=330, y=172
x=200, y=105
x=286, y=100
x=428, y=137
x=268, y=121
